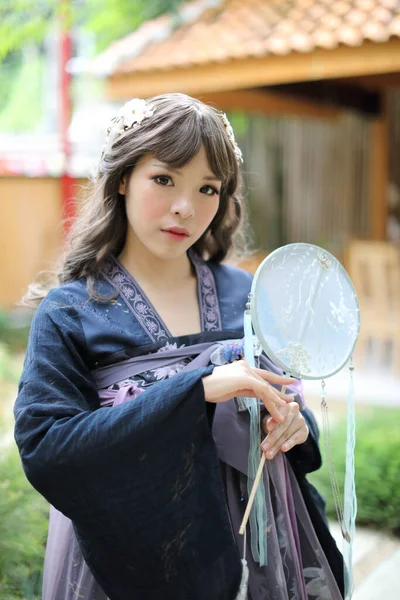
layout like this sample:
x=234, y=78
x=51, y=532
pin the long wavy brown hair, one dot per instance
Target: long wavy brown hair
x=179, y=126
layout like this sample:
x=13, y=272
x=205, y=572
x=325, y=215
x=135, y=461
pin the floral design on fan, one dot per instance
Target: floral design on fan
x=324, y=260
x=344, y=316
x=298, y=358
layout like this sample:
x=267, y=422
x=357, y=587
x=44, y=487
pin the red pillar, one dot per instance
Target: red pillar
x=66, y=181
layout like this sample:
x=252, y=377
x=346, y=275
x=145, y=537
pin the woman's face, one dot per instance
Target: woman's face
x=169, y=209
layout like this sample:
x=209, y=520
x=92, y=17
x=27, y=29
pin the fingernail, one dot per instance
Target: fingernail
x=270, y=454
x=285, y=446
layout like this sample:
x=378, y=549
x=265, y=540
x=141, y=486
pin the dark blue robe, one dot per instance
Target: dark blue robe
x=112, y=471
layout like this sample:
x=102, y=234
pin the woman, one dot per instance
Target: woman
x=123, y=420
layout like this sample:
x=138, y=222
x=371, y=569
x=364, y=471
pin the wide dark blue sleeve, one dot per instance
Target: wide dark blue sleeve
x=59, y=430
x=141, y=481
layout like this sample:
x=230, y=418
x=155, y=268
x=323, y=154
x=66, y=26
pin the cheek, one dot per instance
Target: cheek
x=153, y=209
x=209, y=209
x=145, y=206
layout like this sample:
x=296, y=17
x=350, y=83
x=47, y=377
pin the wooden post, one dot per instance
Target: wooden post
x=66, y=180
x=380, y=173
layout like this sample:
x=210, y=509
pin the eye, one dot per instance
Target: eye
x=209, y=190
x=163, y=180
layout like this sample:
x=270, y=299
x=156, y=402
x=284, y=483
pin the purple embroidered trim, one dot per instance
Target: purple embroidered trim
x=144, y=311
x=136, y=300
x=208, y=298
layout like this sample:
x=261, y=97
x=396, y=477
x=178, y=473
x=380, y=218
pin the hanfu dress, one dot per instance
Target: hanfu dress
x=148, y=482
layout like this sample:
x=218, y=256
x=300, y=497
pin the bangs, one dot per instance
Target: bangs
x=181, y=141
x=183, y=137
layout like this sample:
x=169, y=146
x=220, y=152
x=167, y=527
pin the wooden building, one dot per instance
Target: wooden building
x=322, y=175
x=312, y=60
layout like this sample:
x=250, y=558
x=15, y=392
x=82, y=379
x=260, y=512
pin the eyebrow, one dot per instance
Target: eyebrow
x=166, y=166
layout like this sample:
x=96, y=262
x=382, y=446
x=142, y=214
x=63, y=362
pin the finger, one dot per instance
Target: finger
x=286, y=397
x=272, y=389
x=262, y=390
x=297, y=433
x=273, y=410
x=298, y=438
x=272, y=402
x=268, y=424
x=260, y=375
x=282, y=395
x=288, y=434
x=268, y=391
x=273, y=377
x=252, y=374
x=276, y=435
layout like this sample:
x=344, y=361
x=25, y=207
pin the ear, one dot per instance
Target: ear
x=122, y=186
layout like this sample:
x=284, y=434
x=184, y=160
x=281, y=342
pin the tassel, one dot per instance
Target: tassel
x=248, y=338
x=242, y=595
x=346, y=514
x=350, y=498
x=258, y=515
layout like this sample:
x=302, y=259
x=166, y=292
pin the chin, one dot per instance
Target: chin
x=169, y=253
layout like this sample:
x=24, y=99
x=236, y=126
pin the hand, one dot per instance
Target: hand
x=238, y=379
x=284, y=435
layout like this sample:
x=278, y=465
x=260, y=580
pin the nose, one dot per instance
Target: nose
x=183, y=206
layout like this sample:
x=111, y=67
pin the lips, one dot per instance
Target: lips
x=177, y=231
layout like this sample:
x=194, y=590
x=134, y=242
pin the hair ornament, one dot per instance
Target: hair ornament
x=134, y=112
x=231, y=137
x=131, y=115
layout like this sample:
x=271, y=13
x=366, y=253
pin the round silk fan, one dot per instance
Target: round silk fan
x=305, y=313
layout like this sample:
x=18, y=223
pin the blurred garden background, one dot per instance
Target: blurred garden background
x=312, y=88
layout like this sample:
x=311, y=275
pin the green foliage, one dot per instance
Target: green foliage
x=26, y=21
x=21, y=114
x=377, y=460
x=14, y=332
x=23, y=21
x=240, y=123
x=24, y=25
x=110, y=20
x=8, y=69
x=23, y=530
x=8, y=372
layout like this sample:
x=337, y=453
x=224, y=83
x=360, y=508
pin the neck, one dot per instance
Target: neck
x=156, y=272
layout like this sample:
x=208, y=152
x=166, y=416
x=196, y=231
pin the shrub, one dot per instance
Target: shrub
x=23, y=529
x=9, y=367
x=14, y=329
x=377, y=462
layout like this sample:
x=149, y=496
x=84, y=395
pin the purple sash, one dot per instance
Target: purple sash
x=66, y=573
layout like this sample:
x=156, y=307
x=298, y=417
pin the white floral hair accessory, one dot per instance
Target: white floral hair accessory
x=134, y=112
x=131, y=115
x=231, y=137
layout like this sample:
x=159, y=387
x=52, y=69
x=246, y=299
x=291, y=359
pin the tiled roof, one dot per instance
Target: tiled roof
x=209, y=31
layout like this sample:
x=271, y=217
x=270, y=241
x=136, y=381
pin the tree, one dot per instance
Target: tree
x=24, y=25
x=28, y=21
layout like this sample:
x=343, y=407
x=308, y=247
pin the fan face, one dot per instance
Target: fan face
x=305, y=311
